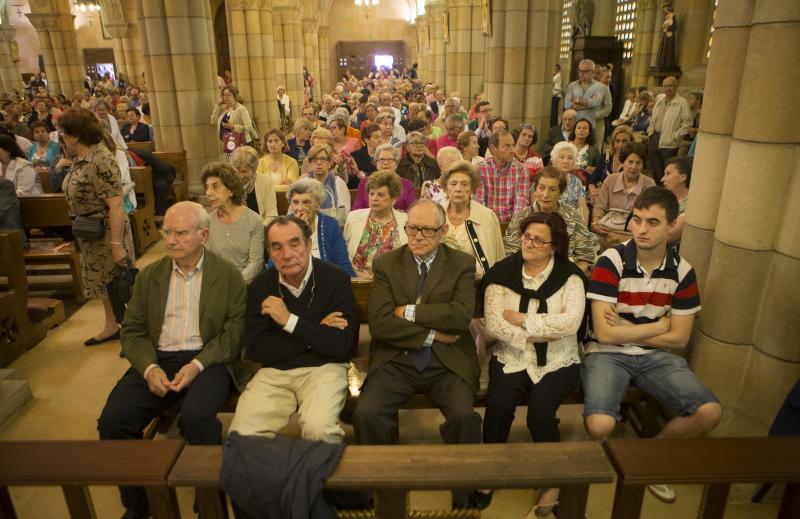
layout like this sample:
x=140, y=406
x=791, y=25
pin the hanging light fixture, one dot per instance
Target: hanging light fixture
x=367, y=5
x=92, y=6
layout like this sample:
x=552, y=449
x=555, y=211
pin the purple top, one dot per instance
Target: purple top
x=407, y=196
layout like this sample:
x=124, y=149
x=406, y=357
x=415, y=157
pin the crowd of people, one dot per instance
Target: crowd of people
x=444, y=195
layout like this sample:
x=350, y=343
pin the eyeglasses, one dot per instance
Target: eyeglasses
x=390, y=159
x=417, y=143
x=427, y=232
x=181, y=235
x=585, y=71
x=535, y=241
x=319, y=160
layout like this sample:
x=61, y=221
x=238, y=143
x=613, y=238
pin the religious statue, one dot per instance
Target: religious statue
x=486, y=20
x=666, y=46
x=581, y=17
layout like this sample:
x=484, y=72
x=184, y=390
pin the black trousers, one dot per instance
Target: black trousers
x=508, y=390
x=658, y=157
x=554, y=102
x=131, y=406
x=161, y=186
x=390, y=386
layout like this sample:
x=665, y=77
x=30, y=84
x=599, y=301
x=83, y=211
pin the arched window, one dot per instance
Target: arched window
x=566, y=29
x=625, y=25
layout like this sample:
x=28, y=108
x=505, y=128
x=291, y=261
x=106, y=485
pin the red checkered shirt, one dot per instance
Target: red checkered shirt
x=504, y=191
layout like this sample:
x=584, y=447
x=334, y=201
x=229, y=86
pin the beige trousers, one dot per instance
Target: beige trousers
x=317, y=394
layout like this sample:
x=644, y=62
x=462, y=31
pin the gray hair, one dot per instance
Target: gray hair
x=244, y=157
x=307, y=185
x=564, y=145
x=586, y=62
x=303, y=123
x=340, y=120
x=387, y=147
x=455, y=118
x=448, y=154
x=417, y=135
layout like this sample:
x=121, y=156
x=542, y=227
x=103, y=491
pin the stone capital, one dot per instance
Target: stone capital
x=43, y=21
x=7, y=32
x=310, y=25
x=288, y=14
x=325, y=30
x=117, y=30
x=463, y=3
x=111, y=12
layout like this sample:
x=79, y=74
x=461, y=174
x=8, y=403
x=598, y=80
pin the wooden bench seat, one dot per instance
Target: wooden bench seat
x=393, y=470
x=715, y=461
x=75, y=465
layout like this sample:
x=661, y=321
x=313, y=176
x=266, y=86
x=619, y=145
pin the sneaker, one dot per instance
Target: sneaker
x=663, y=492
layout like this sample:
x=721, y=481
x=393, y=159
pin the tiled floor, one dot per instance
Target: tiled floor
x=70, y=383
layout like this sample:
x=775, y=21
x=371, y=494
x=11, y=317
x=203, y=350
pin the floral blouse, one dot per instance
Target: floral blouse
x=377, y=239
x=574, y=192
x=433, y=191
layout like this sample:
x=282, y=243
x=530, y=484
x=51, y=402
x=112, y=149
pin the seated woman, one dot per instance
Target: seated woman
x=609, y=162
x=342, y=163
x=327, y=243
x=645, y=104
x=563, y=158
x=259, y=193
x=433, y=189
x=524, y=139
x=301, y=142
x=620, y=190
x=365, y=156
x=471, y=227
x=467, y=144
x=535, y=360
x=16, y=168
x=274, y=163
x=546, y=190
x=44, y=153
x=628, y=113
x=42, y=113
x=378, y=229
x=337, y=125
x=134, y=130
x=235, y=232
x=677, y=177
x=386, y=158
x=336, y=197
x=583, y=138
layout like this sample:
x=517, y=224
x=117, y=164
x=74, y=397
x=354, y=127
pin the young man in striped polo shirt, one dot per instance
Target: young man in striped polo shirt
x=644, y=297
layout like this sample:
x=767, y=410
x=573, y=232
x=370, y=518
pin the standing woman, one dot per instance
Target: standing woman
x=42, y=113
x=102, y=110
x=534, y=305
x=284, y=107
x=93, y=186
x=276, y=164
x=233, y=120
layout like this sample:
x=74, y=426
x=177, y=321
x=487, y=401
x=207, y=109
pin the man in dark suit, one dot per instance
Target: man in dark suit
x=181, y=335
x=559, y=133
x=422, y=300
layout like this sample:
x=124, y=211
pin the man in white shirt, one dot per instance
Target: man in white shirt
x=669, y=123
x=558, y=93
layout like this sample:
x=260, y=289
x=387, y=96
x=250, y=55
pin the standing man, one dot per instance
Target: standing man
x=422, y=300
x=604, y=110
x=181, y=335
x=644, y=298
x=504, y=180
x=585, y=95
x=558, y=93
x=669, y=123
x=301, y=326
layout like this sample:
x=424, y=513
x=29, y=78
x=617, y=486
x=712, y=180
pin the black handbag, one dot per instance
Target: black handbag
x=88, y=227
x=120, y=289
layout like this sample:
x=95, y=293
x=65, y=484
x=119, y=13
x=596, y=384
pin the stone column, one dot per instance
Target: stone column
x=459, y=51
x=423, y=48
x=477, y=46
x=412, y=45
x=312, y=54
x=10, y=76
x=57, y=37
x=250, y=33
x=741, y=225
x=544, y=22
x=132, y=45
x=515, y=42
x=179, y=58
x=291, y=30
x=127, y=48
x=647, y=21
x=324, y=80
x=279, y=48
x=437, y=53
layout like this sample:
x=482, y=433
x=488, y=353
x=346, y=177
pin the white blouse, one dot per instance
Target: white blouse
x=560, y=324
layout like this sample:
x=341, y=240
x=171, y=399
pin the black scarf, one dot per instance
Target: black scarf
x=508, y=273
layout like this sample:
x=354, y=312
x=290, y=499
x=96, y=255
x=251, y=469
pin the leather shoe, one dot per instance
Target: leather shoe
x=95, y=342
x=481, y=500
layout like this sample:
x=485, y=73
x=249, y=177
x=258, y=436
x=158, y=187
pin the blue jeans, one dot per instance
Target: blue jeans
x=660, y=374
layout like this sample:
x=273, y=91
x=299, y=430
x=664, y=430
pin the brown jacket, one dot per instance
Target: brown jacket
x=448, y=303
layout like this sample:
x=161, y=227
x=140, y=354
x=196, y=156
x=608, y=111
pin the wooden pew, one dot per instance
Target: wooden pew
x=44, y=179
x=176, y=159
x=716, y=462
x=75, y=465
x=143, y=145
x=47, y=211
x=394, y=470
x=142, y=220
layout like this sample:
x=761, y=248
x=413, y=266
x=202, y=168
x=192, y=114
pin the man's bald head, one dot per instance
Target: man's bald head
x=670, y=85
x=568, y=119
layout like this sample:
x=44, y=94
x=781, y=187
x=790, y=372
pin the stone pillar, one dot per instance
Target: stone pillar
x=459, y=51
x=291, y=30
x=127, y=47
x=252, y=60
x=325, y=80
x=544, y=23
x=648, y=28
x=423, y=48
x=279, y=47
x=741, y=230
x=312, y=53
x=477, y=46
x=412, y=45
x=179, y=58
x=515, y=44
x=55, y=27
x=132, y=45
x=437, y=53
x=494, y=64
x=10, y=76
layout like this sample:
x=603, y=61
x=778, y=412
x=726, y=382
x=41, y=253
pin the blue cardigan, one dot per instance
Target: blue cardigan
x=332, y=247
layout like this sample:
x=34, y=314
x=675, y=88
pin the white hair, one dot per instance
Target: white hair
x=305, y=185
x=564, y=145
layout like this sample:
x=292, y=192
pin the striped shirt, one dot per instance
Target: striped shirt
x=639, y=297
x=504, y=191
x=180, y=330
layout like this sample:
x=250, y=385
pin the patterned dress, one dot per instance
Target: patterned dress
x=377, y=238
x=93, y=178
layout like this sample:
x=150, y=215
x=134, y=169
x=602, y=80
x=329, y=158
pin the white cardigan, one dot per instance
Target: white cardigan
x=25, y=179
x=357, y=221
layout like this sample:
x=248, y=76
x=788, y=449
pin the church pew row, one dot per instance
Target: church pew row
x=641, y=411
x=177, y=159
x=394, y=470
x=143, y=218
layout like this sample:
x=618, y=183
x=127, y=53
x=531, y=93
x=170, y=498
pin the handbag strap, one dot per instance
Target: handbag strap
x=476, y=244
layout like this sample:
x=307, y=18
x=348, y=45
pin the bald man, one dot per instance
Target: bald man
x=560, y=132
x=669, y=123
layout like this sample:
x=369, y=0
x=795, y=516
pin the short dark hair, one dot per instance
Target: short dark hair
x=369, y=130
x=286, y=219
x=480, y=104
x=82, y=124
x=494, y=139
x=516, y=132
x=660, y=196
x=558, y=231
x=632, y=148
x=9, y=144
x=590, y=140
x=682, y=164
x=415, y=125
x=550, y=172
x=39, y=124
x=558, y=66
x=134, y=110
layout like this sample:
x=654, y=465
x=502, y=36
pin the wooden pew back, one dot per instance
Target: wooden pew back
x=15, y=326
x=44, y=179
x=46, y=210
x=142, y=220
